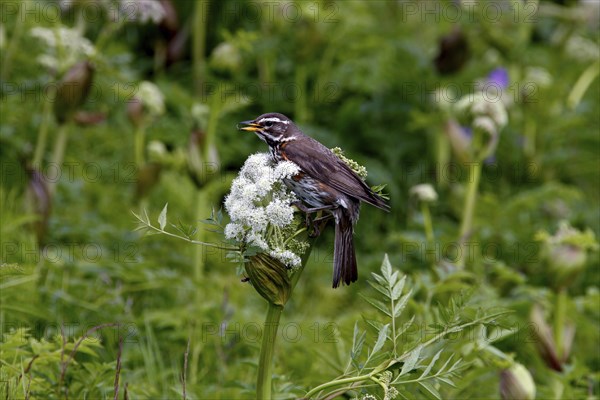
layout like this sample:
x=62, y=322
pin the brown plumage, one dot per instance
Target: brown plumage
x=325, y=183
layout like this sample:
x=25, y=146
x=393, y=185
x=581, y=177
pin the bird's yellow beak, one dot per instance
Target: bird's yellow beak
x=249, y=126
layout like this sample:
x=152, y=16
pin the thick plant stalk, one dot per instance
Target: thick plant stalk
x=59, y=152
x=467, y=218
x=270, y=331
x=559, y=322
x=267, y=348
x=40, y=145
x=199, y=43
x=140, y=138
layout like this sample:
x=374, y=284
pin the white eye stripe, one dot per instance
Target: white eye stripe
x=273, y=119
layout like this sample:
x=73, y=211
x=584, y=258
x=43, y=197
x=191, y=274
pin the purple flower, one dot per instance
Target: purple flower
x=467, y=132
x=499, y=76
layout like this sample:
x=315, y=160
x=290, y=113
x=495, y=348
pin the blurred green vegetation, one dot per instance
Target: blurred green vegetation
x=380, y=79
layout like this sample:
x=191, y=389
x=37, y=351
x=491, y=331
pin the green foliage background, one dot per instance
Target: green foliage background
x=358, y=75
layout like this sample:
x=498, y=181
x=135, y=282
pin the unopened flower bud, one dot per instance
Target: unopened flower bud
x=39, y=202
x=516, y=383
x=360, y=170
x=460, y=139
x=545, y=342
x=424, y=192
x=72, y=90
x=270, y=278
x=453, y=52
x=157, y=151
x=203, y=163
x=148, y=177
x=135, y=111
x=566, y=251
x=226, y=57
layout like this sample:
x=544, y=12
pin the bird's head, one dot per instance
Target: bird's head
x=271, y=127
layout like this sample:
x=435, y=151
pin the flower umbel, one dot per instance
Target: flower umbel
x=260, y=209
x=63, y=47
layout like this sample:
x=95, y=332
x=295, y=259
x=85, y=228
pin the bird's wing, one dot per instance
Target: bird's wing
x=323, y=165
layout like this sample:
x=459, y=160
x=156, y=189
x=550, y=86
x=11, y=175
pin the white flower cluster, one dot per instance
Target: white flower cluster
x=424, y=192
x=582, y=49
x=64, y=46
x=489, y=115
x=260, y=202
x=151, y=97
x=142, y=11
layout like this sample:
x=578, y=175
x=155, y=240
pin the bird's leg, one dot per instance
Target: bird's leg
x=317, y=227
x=311, y=210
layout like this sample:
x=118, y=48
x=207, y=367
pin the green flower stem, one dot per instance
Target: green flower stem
x=559, y=321
x=59, y=151
x=271, y=328
x=200, y=19
x=530, y=138
x=40, y=145
x=265, y=363
x=388, y=364
x=469, y=209
x=300, y=103
x=13, y=44
x=140, y=135
x=199, y=250
x=107, y=33
x=582, y=84
x=427, y=222
x=216, y=104
x=147, y=225
x=443, y=157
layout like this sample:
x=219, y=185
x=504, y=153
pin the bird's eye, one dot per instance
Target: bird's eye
x=269, y=124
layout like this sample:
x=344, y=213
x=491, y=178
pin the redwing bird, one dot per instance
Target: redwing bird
x=324, y=182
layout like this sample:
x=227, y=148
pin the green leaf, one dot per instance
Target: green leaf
x=430, y=390
x=162, y=218
x=411, y=360
x=358, y=340
x=380, y=279
x=397, y=288
x=393, y=279
x=381, y=339
x=378, y=305
x=386, y=268
x=383, y=290
x=399, y=307
x=430, y=366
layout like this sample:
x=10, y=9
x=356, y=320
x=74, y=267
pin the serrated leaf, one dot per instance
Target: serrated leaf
x=383, y=290
x=147, y=218
x=162, y=218
x=446, y=381
x=431, y=364
x=358, y=341
x=400, y=305
x=398, y=287
x=374, y=324
x=411, y=360
x=430, y=390
x=405, y=327
x=386, y=268
x=445, y=365
x=380, y=279
x=378, y=305
x=394, y=278
x=381, y=339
